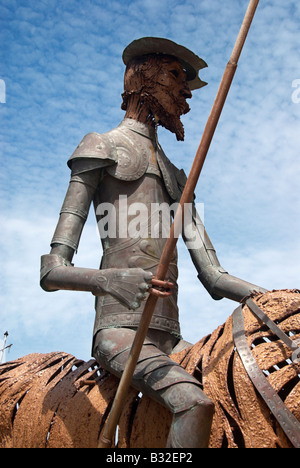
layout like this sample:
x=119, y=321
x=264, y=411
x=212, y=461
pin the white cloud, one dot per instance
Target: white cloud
x=63, y=75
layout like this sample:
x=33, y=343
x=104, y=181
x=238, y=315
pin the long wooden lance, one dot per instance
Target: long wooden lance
x=106, y=438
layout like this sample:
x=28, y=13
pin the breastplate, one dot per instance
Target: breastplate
x=136, y=234
x=138, y=152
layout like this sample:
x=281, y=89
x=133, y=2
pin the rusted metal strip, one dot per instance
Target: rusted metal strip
x=90, y=383
x=285, y=418
x=275, y=329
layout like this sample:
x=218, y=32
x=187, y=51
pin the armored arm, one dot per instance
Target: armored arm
x=218, y=282
x=57, y=270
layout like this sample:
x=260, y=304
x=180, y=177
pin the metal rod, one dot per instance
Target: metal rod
x=4, y=347
x=187, y=196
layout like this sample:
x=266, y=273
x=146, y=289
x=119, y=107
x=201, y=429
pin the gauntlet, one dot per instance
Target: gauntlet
x=129, y=286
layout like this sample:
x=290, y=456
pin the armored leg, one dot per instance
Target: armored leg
x=190, y=427
x=159, y=377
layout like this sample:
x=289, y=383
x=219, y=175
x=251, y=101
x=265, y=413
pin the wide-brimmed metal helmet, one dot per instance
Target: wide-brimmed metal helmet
x=157, y=45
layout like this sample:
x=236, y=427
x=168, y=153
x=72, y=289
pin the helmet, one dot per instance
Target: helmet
x=156, y=45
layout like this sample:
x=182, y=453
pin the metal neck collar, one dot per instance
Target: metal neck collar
x=145, y=130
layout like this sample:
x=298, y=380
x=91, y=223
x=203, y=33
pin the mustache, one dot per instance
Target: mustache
x=182, y=105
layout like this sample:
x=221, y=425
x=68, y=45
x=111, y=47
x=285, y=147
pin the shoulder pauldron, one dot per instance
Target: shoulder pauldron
x=93, y=152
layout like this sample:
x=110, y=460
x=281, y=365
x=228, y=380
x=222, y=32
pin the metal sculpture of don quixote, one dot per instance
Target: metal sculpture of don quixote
x=137, y=344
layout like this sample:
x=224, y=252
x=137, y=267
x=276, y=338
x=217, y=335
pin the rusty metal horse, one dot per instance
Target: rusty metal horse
x=56, y=400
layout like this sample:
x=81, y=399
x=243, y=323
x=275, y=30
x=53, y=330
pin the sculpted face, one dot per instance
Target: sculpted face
x=159, y=82
x=173, y=87
x=171, y=92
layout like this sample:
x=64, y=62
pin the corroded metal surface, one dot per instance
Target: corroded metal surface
x=52, y=400
x=242, y=417
x=287, y=421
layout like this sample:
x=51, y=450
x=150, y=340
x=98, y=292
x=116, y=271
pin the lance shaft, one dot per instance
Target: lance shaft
x=187, y=196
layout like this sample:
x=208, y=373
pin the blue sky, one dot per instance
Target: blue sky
x=61, y=64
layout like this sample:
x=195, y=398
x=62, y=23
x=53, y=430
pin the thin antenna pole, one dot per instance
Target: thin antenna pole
x=4, y=347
